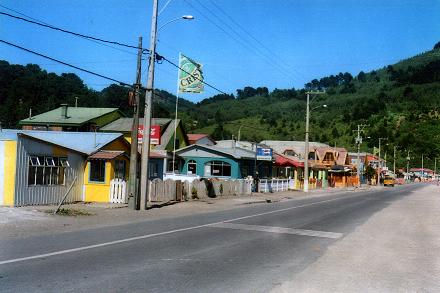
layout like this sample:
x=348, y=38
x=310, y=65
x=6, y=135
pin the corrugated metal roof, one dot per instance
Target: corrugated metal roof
x=124, y=124
x=237, y=153
x=83, y=142
x=75, y=116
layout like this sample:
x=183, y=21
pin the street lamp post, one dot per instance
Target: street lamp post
x=148, y=105
x=360, y=128
x=306, y=143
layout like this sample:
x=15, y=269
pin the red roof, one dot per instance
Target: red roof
x=281, y=160
x=425, y=170
x=194, y=137
x=106, y=155
x=157, y=155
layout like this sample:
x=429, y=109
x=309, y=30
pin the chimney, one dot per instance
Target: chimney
x=64, y=110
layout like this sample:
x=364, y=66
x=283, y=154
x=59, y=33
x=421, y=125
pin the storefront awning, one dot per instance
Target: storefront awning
x=339, y=169
x=284, y=161
x=105, y=155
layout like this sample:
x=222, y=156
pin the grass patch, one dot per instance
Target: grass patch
x=70, y=212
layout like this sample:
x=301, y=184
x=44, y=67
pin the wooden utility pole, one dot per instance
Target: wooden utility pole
x=394, y=163
x=360, y=128
x=147, y=113
x=133, y=195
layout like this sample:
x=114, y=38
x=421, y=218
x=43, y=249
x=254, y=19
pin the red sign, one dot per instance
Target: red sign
x=154, y=134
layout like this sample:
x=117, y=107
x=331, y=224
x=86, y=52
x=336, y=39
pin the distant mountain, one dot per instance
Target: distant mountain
x=400, y=102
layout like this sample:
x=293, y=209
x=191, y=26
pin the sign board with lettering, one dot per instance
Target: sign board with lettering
x=264, y=154
x=154, y=134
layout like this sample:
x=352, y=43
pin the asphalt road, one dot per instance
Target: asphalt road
x=250, y=249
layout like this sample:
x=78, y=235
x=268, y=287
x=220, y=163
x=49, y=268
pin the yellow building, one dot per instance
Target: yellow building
x=40, y=167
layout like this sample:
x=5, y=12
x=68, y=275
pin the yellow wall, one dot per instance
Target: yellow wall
x=127, y=137
x=100, y=192
x=10, y=169
x=59, y=151
x=118, y=145
x=96, y=191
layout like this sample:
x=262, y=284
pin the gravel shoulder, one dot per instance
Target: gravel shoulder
x=396, y=250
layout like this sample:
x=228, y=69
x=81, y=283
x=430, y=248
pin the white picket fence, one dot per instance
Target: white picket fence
x=274, y=185
x=118, y=191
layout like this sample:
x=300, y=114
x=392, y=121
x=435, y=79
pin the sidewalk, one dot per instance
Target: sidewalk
x=395, y=250
x=37, y=220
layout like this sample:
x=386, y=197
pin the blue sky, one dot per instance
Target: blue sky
x=284, y=44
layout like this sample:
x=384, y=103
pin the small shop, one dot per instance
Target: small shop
x=41, y=167
x=214, y=162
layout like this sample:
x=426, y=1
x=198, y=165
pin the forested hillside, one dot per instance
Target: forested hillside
x=400, y=102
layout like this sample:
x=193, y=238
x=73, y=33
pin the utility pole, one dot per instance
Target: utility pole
x=360, y=128
x=394, y=163
x=379, y=168
x=422, y=169
x=133, y=195
x=407, y=164
x=306, y=143
x=147, y=113
x=435, y=169
x=76, y=102
x=306, y=147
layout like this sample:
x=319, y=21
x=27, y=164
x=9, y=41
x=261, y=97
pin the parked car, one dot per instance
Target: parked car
x=389, y=181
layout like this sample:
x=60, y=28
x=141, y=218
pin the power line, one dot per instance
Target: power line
x=280, y=63
x=70, y=32
x=159, y=58
x=67, y=64
x=237, y=37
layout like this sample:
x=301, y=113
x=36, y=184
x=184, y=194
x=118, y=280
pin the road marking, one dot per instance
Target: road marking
x=279, y=230
x=60, y=252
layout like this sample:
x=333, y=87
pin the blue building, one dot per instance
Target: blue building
x=229, y=163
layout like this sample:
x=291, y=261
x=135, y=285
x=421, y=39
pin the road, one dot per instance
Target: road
x=257, y=248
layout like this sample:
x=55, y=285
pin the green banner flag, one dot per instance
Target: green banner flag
x=190, y=76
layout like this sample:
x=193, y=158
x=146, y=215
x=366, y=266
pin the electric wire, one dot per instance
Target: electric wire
x=238, y=38
x=158, y=57
x=70, y=32
x=67, y=64
x=280, y=62
x=90, y=40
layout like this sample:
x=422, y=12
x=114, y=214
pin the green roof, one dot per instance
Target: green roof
x=124, y=124
x=75, y=116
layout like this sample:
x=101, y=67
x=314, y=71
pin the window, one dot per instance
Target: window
x=311, y=155
x=328, y=157
x=217, y=168
x=97, y=171
x=245, y=171
x=46, y=170
x=192, y=167
x=153, y=170
x=289, y=153
x=172, y=167
x=120, y=169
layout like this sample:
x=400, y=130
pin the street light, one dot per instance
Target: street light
x=306, y=144
x=184, y=17
x=148, y=103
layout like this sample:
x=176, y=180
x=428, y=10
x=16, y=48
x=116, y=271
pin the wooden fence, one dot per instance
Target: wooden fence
x=118, y=191
x=170, y=190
